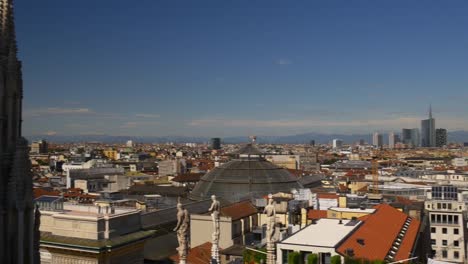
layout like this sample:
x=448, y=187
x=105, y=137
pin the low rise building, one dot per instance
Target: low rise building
x=89, y=234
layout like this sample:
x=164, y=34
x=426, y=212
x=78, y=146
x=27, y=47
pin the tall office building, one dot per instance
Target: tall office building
x=441, y=137
x=377, y=139
x=39, y=147
x=215, y=143
x=392, y=140
x=18, y=231
x=337, y=143
x=410, y=137
x=428, y=136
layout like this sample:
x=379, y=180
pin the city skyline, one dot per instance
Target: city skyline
x=163, y=68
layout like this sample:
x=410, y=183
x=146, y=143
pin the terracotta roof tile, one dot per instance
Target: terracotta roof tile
x=327, y=196
x=197, y=255
x=378, y=231
x=239, y=210
x=316, y=214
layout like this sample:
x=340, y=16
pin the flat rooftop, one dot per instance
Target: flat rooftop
x=324, y=233
x=352, y=210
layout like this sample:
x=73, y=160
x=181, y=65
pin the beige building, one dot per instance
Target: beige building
x=446, y=208
x=286, y=161
x=88, y=234
x=236, y=221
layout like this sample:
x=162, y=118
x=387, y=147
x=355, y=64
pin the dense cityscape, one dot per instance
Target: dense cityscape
x=393, y=192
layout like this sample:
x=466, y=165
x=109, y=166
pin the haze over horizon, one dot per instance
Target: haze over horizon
x=208, y=68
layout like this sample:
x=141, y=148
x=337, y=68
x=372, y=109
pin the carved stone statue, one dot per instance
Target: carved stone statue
x=271, y=219
x=183, y=223
x=215, y=211
x=270, y=212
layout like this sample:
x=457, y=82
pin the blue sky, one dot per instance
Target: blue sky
x=224, y=68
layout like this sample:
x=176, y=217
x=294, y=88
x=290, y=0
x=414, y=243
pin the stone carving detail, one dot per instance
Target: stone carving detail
x=270, y=213
x=215, y=211
x=182, y=228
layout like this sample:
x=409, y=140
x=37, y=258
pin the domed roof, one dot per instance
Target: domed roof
x=248, y=176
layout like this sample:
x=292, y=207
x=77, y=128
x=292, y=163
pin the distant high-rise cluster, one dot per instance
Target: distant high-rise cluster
x=427, y=136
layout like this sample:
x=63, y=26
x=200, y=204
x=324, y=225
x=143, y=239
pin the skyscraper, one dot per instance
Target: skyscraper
x=410, y=137
x=17, y=227
x=215, y=143
x=428, y=137
x=392, y=139
x=337, y=143
x=377, y=139
x=441, y=137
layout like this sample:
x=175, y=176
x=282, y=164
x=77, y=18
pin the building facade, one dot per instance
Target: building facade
x=441, y=137
x=215, y=143
x=377, y=140
x=17, y=213
x=445, y=207
x=88, y=234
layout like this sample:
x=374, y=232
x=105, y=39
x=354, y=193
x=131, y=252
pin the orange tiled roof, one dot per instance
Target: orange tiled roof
x=378, y=231
x=327, y=196
x=38, y=192
x=197, y=255
x=316, y=214
x=239, y=210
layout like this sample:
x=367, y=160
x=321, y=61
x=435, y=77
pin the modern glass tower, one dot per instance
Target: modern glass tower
x=428, y=133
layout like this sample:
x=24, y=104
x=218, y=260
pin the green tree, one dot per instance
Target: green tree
x=312, y=259
x=378, y=262
x=335, y=260
x=294, y=257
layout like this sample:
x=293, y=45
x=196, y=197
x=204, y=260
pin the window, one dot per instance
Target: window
x=444, y=230
x=455, y=219
x=433, y=229
x=433, y=241
x=455, y=243
x=455, y=231
x=449, y=206
x=438, y=205
x=444, y=206
x=444, y=253
x=444, y=242
x=432, y=218
x=456, y=254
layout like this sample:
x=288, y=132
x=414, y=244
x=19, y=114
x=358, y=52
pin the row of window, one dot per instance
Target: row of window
x=445, y=231
x=456, y=243
x=444, y=219
x=456, y=254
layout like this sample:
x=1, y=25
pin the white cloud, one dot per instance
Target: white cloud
x=283, y=62
x=148, y=115
x=308, y=123
x=57, y=111
x=134, y=124
x=51, y=133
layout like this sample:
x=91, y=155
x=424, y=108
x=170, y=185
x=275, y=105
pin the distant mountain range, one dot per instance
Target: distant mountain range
x=453, y=136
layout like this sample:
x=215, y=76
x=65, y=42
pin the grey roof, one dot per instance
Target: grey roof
x=244, y=178
x=47, y=198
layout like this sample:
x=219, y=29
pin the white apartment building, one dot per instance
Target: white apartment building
x=445, y=207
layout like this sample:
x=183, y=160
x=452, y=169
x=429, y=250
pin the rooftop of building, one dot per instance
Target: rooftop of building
x=324, y=233
x=352, y=210
x=48, y=238
x=374, y=239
